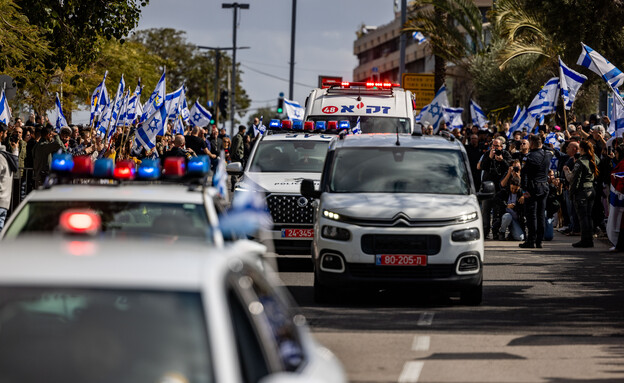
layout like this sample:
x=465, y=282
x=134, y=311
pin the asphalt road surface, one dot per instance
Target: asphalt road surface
x=548, y=315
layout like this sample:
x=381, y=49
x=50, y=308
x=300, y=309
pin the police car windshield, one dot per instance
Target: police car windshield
x=292, y=156
x=399, y=170
x=370, y=124
x=119, y=219
x=90, y=335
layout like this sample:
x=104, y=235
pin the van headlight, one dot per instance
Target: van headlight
x=465, y=218
x=331, y=215
x=466, y=235
x=335, y=233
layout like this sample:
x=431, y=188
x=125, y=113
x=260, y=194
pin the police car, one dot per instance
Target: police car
x=397, y=211
x=125, y=311
x=372, y=107
x=174, y=203
x=277, y=164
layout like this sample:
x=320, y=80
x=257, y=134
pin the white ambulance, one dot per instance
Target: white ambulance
x=378, y=107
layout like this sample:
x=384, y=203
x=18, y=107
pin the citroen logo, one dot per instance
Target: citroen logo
x=302, y=202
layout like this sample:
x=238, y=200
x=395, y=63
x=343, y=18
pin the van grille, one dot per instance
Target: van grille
x=400, y=244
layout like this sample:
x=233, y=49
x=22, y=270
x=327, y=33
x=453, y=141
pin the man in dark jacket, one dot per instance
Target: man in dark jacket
x=535, y=186
x=495, y=164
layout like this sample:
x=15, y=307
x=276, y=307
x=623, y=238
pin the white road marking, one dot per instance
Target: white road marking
x=421, y=343
x=411, y=372
x=425, y=319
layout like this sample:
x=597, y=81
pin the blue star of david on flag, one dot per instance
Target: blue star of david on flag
x=153, y=125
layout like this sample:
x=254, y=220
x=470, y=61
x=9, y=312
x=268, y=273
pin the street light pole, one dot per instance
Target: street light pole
x=402, y=42
x=292, y=51
x=235, y=7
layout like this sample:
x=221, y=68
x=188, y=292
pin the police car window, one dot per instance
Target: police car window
x=119, y=218
x=399, y=170
x=88, y=335
x=290, y=156
x=280, y=319
x=371, y=124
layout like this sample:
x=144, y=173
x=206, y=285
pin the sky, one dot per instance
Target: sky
x=325, y=32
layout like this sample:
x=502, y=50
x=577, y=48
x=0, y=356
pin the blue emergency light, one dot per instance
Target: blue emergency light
x=62, y=163
x=344, y=124
x=297, y=125
x=275, y=124
x=321, y=125
x=103, y=168
x=149, y=169
x=199, y=165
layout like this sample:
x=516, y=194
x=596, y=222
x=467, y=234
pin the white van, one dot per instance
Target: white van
x=378, y=107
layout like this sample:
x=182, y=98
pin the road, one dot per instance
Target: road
x=549, y=315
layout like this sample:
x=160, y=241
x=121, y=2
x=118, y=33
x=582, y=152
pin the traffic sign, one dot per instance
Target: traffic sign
x=422, y=86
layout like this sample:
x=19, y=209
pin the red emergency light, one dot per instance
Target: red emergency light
x=80, y=221
x=83, y=165
x=308, y=125
x=367, y=84
x=332, y=125
x=125, y=170
x=287, y=124
x=174, y=167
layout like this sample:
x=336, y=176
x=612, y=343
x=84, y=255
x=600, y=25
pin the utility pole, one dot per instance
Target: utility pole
x=402, y=41
x=216, y=76
x=235, y=7
x=292, y=50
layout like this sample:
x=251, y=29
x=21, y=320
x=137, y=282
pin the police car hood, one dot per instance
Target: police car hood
x=389, y=205
x=276, y=182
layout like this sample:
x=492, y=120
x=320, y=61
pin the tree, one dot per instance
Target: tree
x=191, y=66
x=22, y=47
x=454, y=29
x=73, y=28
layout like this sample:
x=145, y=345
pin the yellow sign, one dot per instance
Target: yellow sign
x=422, y=87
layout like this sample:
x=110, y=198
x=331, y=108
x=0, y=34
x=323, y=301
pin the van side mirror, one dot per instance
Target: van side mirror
x=235, y=168
x=308, y=190
x=487, y=190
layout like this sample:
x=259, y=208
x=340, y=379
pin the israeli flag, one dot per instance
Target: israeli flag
x=294, y=110
x=545, y=102
x=477, y=115
x=156, y=100
x=418, y=36
x=178, y=126
x=104, y=119
x=522, y=121
x=154, y=117
x=134, y=105
x=259, y=129
x=514, y=122
x=121, y=120
x=454, y=118
x=434, y=112
x=116, y=108
x=186, y=113
x=247, y=215
x=616, y=127
x=60, y=117
x=595, y=62
x=5, y=111
x=357, y=129
x=96, y=97
x=553, y=138
x=219, y=179
x=172, y=101
x=570, y=81
x=199, y=116
x=177, y=103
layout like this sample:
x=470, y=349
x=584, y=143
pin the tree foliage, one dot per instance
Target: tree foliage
x=73, y=28
x=188, y=64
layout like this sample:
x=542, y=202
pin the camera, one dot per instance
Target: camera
x=577, y=155
x=516, y=168
x=14, y=138
x=498, y=152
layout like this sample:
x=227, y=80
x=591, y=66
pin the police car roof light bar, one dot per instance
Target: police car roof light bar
x=125, y=170
x=308, y=126
x=287, y=124
x=62, y=163
x=174, y=167
x=344, y=124
x=103, y=168
x=320, y=125
x=332, y=125
x=149, y=170
x=199, y=166
x=83, y=165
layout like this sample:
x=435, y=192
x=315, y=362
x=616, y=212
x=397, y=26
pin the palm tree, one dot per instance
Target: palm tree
x=454, y=28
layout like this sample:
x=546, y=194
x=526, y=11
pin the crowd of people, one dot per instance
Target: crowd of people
x=26, y=149
x=552, y=178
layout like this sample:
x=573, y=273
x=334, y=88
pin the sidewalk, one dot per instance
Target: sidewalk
x=560, y=243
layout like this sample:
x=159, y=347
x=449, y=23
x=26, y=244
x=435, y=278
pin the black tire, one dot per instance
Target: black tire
x=322, y=293
x=472, y=296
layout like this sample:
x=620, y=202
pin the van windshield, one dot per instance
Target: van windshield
x=292, y=156
x=399, y=170
x=371, y=124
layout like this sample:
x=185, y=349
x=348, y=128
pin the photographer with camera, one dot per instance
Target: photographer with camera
x=495, y=164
